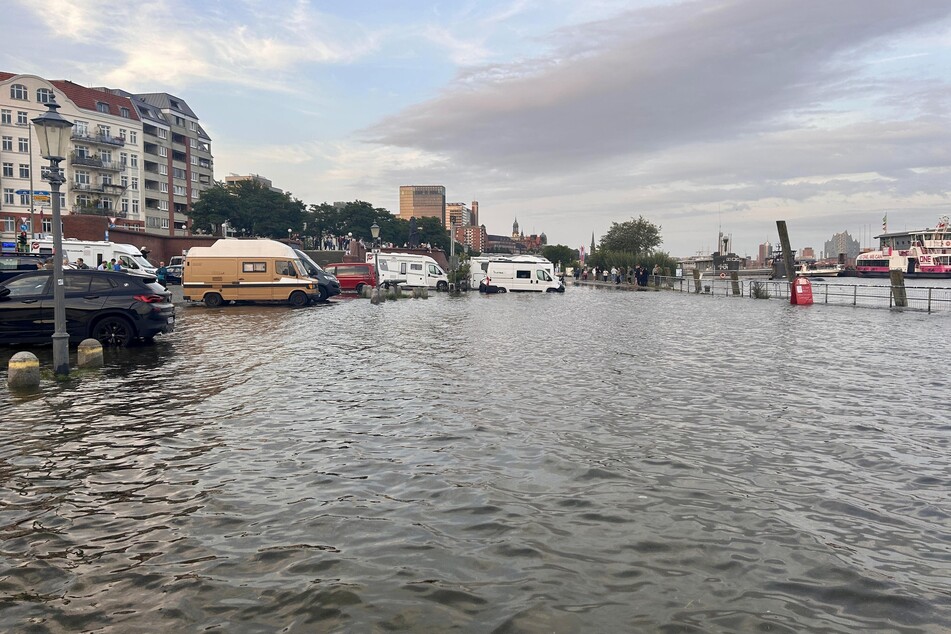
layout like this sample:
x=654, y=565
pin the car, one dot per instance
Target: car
x=328, y=285
x=173, y=274
x=353, y=276
x=13, y=264
x=113, y=307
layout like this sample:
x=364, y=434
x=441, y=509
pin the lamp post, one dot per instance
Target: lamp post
x=375, y=234
x=53, y=132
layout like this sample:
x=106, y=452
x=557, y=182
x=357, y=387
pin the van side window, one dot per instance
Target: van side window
x=125, y=261
x=254, y=267
x=415, y=266
x=543, y=275
x=403, y=268
x=383, y=266
x=523, y=275
x=434, y=270
x=283, y=267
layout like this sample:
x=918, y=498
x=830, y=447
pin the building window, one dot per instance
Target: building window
x=124, y=113
x=163, y=187
x=107, y=179
x=125, y=206
x=24, y=199
x=194, y=160
x=163, y=170
x=9, y=224
x=194, y=143
x=44, y=95
x=8, y=144
x=24, y=170
x=134, y=160
x=82, y=178
x=102, y=106
x=7, y=196
x=122, y=133
x=123, y=158
x=105, y=156
x=134, y=183
x=23, y=117
x=163, y=205
x=18, y=91
x=80, y=128
x=163, y=151
x=194, y=177
x=194, y=194
x=179, y=190
x=6, y=116
x=8, y=170
x=135, y=205
x=105, y=203
x=105, y=130
x=124, y=180
x=193, y=126
x=133, y=137
x=24, y=144
x=162, y=133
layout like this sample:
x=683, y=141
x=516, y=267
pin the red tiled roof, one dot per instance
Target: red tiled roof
x=87, y=98
x=5, y=76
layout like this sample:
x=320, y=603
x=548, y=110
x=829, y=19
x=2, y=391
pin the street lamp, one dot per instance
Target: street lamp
x=375, y=234
x=53, y=132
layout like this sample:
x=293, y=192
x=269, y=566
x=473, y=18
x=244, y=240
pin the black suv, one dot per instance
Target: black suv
x=113, y=307
x=13, y=264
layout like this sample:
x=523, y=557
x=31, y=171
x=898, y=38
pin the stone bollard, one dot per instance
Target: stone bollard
x=415, y=293
x=89, y=354
x=424, y=293
x=23, y=371
x=375, y=296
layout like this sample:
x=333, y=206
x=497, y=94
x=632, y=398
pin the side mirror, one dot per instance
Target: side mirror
x=4, y=293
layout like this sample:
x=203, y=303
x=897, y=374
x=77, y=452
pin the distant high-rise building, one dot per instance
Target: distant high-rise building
x=808, y=253
x=458, y=214
x=474, y=213
x=254, y=178
x=765, y=252
x=418, y=201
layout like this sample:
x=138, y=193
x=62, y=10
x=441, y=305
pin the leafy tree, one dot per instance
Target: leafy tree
x=560, y=253
x=249, y=208
x=431, y=230
x=355, y=218
x=634, y=236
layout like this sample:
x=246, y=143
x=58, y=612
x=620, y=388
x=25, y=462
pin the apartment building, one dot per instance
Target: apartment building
x=177, y=160
x=100, y=169
x=142, y=160
x=417, y=201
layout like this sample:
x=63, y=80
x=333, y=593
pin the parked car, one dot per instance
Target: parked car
x=353, y=276
x=13, y=264
x=173, y=274
x=113, y=307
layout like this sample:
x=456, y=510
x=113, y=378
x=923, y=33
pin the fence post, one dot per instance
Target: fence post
x=735, y=278
x=855, y=294
x=696, y=280
x=929, y=301
x=898, y=289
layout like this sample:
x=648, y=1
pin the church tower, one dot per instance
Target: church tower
x=515, y=232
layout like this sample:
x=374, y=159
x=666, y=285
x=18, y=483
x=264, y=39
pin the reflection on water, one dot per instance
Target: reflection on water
x=592, y=461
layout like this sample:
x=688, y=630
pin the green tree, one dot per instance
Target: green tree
x=560, y=253
x=249, y=208
x=355, y=218
x=431, y=230
x=634, y=236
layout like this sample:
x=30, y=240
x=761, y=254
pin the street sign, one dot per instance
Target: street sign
x=40, y=192
x=41, y=198
x=23, y=227
x=22, y=192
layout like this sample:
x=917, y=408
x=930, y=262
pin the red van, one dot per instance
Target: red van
x=353, y=276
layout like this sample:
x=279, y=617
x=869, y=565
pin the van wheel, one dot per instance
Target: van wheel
x=298, y=299
x=213, y=300
x=323, y=294
x=360, y=289
x=442, y=287
x=113, y=331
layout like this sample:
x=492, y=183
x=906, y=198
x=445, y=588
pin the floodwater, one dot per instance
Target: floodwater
x=594, y=461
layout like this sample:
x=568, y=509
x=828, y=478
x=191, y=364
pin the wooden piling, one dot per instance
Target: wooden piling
x=788, y=260
x=696, y=280
x=735, y=281
x=899, y=294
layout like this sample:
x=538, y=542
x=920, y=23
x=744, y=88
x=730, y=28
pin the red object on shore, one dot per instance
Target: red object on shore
x=801, y=294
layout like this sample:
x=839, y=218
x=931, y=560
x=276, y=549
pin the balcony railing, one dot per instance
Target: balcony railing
x=101, y=139
x=88, y=210
x=96, y=163
x=110, y=189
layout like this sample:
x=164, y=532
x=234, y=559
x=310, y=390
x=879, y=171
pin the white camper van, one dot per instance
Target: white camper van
x=410, y=270
x=95, y=253
x=520, y=274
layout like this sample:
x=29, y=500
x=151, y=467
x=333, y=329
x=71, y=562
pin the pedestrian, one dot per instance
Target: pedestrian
x=614, y=277
x=49, y=264
x=161, y=274
x=656, y=274
x=102, y=266
x=114, y=266
x=80, y=264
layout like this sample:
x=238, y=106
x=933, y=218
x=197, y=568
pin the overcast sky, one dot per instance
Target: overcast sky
x=701, y=116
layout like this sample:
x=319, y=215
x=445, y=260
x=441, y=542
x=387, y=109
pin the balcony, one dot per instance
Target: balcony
x=88, y=210
x=100, y=139
x=109, y=189
x=96, y=163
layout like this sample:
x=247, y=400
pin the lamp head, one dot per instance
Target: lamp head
x=53, y=132
x=375, y=230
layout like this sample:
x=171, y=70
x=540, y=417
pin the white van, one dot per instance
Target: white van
x=410, y=270
x=95, y=252
x=521, y=274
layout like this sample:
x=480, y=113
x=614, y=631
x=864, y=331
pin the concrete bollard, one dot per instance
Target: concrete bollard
x=89, y=354
x=23, y=371
x=415, y=293
x=393, y=293
x=375, y=296
x=424, y=293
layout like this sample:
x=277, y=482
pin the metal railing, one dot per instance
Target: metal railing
x=924, y=298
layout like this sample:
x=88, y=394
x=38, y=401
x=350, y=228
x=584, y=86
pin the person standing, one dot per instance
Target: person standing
x=81, y=264
x=161, y=273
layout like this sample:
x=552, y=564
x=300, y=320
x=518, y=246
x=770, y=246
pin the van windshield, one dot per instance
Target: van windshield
x=308, y=265
x=142, y=262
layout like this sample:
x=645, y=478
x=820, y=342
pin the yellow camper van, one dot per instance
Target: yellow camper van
x=247, y=271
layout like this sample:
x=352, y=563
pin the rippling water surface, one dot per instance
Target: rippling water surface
x=597, y=461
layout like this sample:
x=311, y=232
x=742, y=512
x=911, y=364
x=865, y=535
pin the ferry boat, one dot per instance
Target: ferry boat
x=921, y=253
x=813, y=269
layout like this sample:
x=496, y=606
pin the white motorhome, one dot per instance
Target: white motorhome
x=95, y=252
x=520, y=274
x=410, y=270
